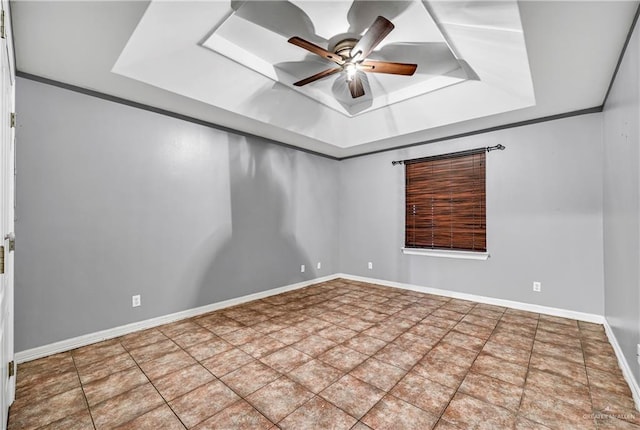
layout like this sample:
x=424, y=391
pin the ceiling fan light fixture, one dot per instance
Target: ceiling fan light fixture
x=351, y=69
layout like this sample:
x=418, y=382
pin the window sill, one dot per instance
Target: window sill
x=464, y=255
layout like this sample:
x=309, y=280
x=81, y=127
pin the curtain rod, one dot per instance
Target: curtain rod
x=452, y=154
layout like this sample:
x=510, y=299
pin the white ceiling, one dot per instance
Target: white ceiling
x=480, y=64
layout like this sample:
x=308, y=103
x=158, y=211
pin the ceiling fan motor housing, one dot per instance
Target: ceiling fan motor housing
x=344, y=47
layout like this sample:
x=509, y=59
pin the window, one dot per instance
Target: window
x=445, y=202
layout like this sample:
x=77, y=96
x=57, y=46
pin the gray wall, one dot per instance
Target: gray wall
x=621, y=137
x=115, y=201
x=544, y=217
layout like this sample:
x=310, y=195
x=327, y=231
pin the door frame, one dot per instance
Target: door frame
x=7, y=206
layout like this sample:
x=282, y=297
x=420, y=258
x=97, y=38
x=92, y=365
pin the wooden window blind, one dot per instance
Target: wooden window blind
x=445, y=202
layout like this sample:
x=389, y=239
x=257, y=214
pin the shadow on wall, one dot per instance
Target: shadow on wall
x=262, y=252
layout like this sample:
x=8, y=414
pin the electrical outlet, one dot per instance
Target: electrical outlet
x=370, y=265
x=537, y=287
x=319, y=266
x=135, y=301
x=302, y=268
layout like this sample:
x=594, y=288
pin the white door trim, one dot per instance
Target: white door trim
x=7, y=211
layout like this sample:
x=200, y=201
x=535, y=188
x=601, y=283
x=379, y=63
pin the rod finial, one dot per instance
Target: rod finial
x=497, y=147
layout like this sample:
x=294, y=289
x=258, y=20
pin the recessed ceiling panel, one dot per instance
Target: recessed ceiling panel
x=255, y=35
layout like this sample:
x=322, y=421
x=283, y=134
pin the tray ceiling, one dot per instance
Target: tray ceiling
x=255, y=35
x=480, y=64
x=468, y=54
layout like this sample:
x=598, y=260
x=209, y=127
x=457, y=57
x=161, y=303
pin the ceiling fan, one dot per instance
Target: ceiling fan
x=351, y=56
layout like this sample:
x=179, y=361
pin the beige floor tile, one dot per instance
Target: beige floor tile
x=315, y=375
x=317, y=413
x=396, y=356
x=167, y=363
x=613, y=382
x=113, y=385
x=125, y=407
x=337, y=334
x=62, y=362
x=352, y=395
x=46, y=386
x=507, y=353
x=509, y=338
x=226, y=362
x=182, y=381
x=286, y=359
x=453, y=354
x=96, y=352
x=241, y=336
x=416, y=343
x=239, y=416
x=558, y=338
x=314, y=345
x=378, y=373
x=33, y=372
x=193, y=337
x=554, y=413
x=203, y=402
x=342, y=358
x=51, y=409
x=468, y=412
x=261, y=346
x=480, y=331
x=204, y=350
x=106, y=367
x=559, y=351
x=565, y=389
x=154, y=350
x=331, y=354
x=250, y=377
x=462, y=340
x=279, y=398
x=443, y=372
x=365, y=344
x=142, y=338
x=423, y=393
x=177, y=328
x=159, y=418
x=392, y=413
x=80, y=420
x=492, y=390
x=500, y=369
x=559, y=366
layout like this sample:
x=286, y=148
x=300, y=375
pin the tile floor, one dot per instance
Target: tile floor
x=337, y=355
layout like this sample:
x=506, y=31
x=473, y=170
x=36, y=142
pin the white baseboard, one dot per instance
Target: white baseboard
x=624, y=365
x=547, y=310
x=88, y=339
x=76, y=342
x=79, y=341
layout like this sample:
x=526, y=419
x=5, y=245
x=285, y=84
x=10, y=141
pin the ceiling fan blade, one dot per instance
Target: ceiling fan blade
x=374, y=66
x=316, y=50
x=356, y=88
x=317, y=76
x=374, y=35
